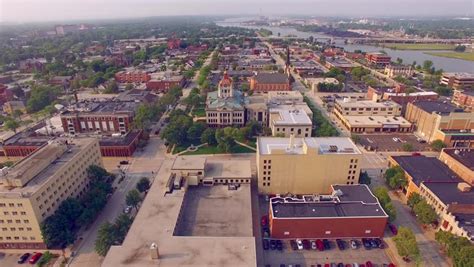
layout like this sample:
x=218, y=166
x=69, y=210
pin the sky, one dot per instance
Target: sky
x=63, y=10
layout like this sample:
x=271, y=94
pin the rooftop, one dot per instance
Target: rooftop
x=459, y=75
x=289, y=116
x=189, y=163
x=385, y=121
x=230, y=168
x=349, y=102
x=464, y=156
x=449, y=193
x=323, y=145
x=346, y=201
x=236, y=103
x=265, y=77
x=104, y=107
x=119, y=140
x=426, y=169
x=443, y=108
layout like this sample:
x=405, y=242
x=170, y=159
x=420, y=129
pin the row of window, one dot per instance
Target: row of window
x=19, y=229
x=32, y=238
x=11, y=221
x=11, y=205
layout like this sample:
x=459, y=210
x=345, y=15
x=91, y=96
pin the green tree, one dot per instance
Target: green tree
x=122, y=225
x=195, y=131
x=209, y=136
x=364, y=178
x=129, y=86
x=407, y=147
x=437, y=145
x=12, y=125
x=427, y=65
x=143, y=116
x=382, y=195
x=395, y=177
x=458, y=248
x=413, y=199
x=40, y=97
x=96, y=173
x=133, y=198
x=112, y=88
x=405, y=243
x=143, y=184
x=105, y=238
x=47, y=256
x=424, y=212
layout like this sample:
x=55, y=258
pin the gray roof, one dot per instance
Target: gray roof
x=263, y=77
x=436, y=106
x=355, y=201
x=449, y=193
x=465, y=157
x=234, y=103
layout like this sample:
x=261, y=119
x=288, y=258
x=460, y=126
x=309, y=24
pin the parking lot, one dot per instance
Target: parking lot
x=11, y=259
x=385, y=142
x=216, y=211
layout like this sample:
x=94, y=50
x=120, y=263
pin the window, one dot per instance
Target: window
x=368, y=231
x=286, y=233
x=11, y=204
x=327, y=232
x=26, y=221
x=23, y=213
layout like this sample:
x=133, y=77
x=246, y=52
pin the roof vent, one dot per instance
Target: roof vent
x=464, y=187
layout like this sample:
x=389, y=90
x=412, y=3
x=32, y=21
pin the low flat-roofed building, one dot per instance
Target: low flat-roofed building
x=419, y=169
x=399, y=70
x=163, y=82
x=132, y=76
x=458, y=80
x=55, y=172
x=378, y=59
x=460, y=161
x=313, y=83
x=290, y=121
x=434, y=117
x=376, y=124
x=10, y=106
x=328, y=216
x=265, y=82
x=120, y=146
x=351, y=107
x=464, y=99
x=305, y=165
x=456, y=138
x=340, y=63
x=454, y=204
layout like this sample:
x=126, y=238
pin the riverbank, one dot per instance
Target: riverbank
x=469, y=56
x=417, y=46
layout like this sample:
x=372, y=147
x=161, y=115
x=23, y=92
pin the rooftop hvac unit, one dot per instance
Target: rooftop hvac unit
x=332, y=148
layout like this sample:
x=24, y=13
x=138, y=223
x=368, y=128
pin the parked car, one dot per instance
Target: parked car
x=366, y=243
x=395, y=139
x=279, y=245
x=306, y=244
x=313, y=245
x=340, y=264
x=340, y=244
x=264, y=220
x=266, y=244
x=354, y=244
x=127, y=209
x=124, y=162
x=327, y=244
x=369, y=264
x=35, y=257
x=293, y=245
x=373, y=243
x=23, y=258
x=379, y=243
x=273, y=244
x=393, y=228
x=299, y=243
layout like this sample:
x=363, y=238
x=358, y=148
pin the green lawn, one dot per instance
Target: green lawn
x=215, y=150
x=419, y=46
x=199, y=112
x=464, y=56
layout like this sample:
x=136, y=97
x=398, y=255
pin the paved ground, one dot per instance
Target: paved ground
x=385, y=142
x=216, y=211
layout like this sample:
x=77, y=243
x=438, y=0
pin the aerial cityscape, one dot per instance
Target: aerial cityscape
x=237, y=133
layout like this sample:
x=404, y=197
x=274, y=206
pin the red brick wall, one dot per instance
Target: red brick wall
x=162, y=86
x=316, y=228
x=15, y=245
x=19, y=151
x=77, y=125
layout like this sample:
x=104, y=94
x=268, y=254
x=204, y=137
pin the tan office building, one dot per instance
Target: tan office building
x=286, y=121
x=306, y=165
x=433, y=117
x=33, y=189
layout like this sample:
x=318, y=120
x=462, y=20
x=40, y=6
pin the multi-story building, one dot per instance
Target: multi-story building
x=328, y=216
x=340, y=63
x=99, y=117
x=5, y=94
x=33, y=188
x=313, y=83
x=458, y=80
x=163, y=83
x=132, y=77
x=287, y=121
x=371, y=116
x=306, y=165
x=265, y=82
x=460, y=161
x=120, y=146
x=378, y=59
x=398, y=95
x=464, y=99
x=440, y=120
x=398, y=70
x=226, y=106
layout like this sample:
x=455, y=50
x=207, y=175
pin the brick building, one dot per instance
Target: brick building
x=460, y=161
x=378, y=59
x=165, y=83
x=464, y=99
x=265, y=82
x=120, y=146
x=99, y=117
x=398, y=70
x=350, y=211
x=458, y=80
x=5, y=94
x=132, y=77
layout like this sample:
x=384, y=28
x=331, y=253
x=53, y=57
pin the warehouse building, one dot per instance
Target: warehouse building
x=350, y=211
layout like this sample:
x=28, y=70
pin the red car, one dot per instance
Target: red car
x=320, y=245
x=369, y=264
x=264, y=220
x=35, y=258
x=393, y=229
x=391, y=265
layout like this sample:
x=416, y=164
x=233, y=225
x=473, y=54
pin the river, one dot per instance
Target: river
x=408, y=56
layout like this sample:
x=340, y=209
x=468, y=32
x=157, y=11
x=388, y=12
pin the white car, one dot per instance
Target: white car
x=127, y=209
x=299, y=243
x=395, y=139
x=353, y=244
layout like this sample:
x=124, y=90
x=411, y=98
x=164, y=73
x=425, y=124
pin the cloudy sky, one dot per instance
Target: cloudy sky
x=57, y=10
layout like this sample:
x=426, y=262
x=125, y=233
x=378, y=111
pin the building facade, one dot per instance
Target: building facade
x=286, y=121
x=132, y=77
x=305, y=165
x=458, y=80
x=350, y=211
x=266, y=82
x=164, y=84
x=464, y=99
x=33, y=189
x=398, y=70
x=378, y=59
x=460, y=161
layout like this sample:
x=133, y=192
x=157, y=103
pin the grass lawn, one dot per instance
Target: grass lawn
x=215, y=150
x=419, y=46
x=199, y=112
x=464, y=56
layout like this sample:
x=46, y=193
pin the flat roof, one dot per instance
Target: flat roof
x=426, y=169
x=230, y=168
x=463, y=156
x=459, y=75
x=346, y=102
x=265, y=77
x=189, y=163
x=355, y=201
x=163, y=210
x=377, y=120
x=112, y=106
x=449, y=193
x=325, y=145
x=439, y=107
x=289, y=116
x=119, y=140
